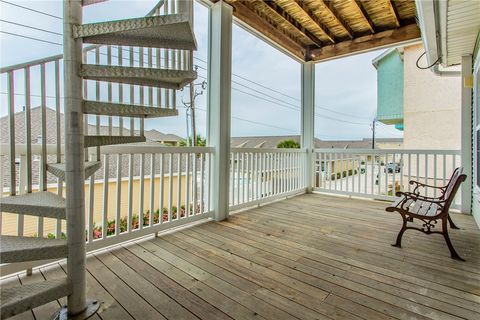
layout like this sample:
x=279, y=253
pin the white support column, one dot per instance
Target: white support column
x=74, y=159
x=466, y=136
x=308, y=121
x=219, y=104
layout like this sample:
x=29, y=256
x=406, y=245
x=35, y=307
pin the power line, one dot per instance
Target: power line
x=30, y=38
x=296, y=108
x=283, y=94
x=254, y=122
x=33, y=10
x=30, y=27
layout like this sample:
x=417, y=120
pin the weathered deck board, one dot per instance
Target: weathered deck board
x=308, y=257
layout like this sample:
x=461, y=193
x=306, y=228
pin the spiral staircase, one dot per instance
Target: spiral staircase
x=171, y=31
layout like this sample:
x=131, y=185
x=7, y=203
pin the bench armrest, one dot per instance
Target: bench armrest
x=419, y=184
x=415, y=197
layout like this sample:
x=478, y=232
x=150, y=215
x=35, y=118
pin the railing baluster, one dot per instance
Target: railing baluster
x=194, y=182
x=202, y=184
x=232, y=178
x=179, y=184
x=106, y=172
x=242, y=175
x=402, y=187
x=170, y=187
x=409, y=170
x=209, y=177
x=28, y=130
x=152, y=190
x=119, y=196
x=444, y=168
x=254, y=191
x=435, y=174
x=426, y=168
x=161, y=189
x=188, y=182
x=237, y=177
x=141, y=202
x=91, y=203
x=386, y=174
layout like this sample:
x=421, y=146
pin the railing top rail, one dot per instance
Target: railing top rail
x=270, y=150
x=152, y=148
x=21, y=149
x=385, y=151
x=40, y=61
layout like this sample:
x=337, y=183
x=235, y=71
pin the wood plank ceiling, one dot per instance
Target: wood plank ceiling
x=323, y=29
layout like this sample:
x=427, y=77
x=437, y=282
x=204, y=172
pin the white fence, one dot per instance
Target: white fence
x=379, y=174
x=259, y=175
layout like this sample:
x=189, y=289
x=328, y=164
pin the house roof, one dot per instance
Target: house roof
x=268, y=142
x=36, y=120
x=385, y=54
x=320, y=29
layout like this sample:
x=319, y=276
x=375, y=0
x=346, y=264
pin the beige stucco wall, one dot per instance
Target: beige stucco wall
x=431, y=106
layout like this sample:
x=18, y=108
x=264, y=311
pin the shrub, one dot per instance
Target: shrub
x=288, y=144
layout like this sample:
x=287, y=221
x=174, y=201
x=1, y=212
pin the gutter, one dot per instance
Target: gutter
x=431, y=17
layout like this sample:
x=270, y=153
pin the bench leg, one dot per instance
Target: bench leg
x=398, y=243
x=452, y=225
x=453, y=253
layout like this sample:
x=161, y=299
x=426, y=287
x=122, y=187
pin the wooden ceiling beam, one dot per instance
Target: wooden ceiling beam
x=394, y=12
x=365, y=15
x=366, y=43
x=329, y=6
x=285, y=16
x=314, y=18
x=252, y=21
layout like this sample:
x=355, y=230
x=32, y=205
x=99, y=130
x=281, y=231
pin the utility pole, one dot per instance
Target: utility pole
x=373, y=132
x=191, y=109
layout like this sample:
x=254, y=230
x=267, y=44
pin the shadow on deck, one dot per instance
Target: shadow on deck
x=308, y=257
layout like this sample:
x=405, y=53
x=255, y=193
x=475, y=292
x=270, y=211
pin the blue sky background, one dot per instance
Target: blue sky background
x=266, y=88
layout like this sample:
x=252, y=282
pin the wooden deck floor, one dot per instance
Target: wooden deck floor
x=309, y=257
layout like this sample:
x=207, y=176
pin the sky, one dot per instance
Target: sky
x=266, y=82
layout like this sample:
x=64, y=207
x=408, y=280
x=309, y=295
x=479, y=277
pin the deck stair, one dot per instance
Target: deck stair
x=170, y=31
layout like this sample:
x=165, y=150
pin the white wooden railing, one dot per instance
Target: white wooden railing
x=148, y=188
x=379, y=174
x=261, y=175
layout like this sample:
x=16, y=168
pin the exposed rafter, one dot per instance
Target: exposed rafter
x=334, y=13
x=325, y=29
x=301, y=4
x=280, y=12
x=393, y=9
x=253, y=21
x=362, y=44
x=365, y=15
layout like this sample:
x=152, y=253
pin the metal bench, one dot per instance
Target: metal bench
x=429, y=210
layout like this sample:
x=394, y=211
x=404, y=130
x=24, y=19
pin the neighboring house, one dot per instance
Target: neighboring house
x=425, y=106
x=168, y=139
x=268, y=142
x=152, y=136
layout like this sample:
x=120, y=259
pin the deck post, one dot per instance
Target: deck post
x=308, y=122
x=219, y=104
x=466, y=135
